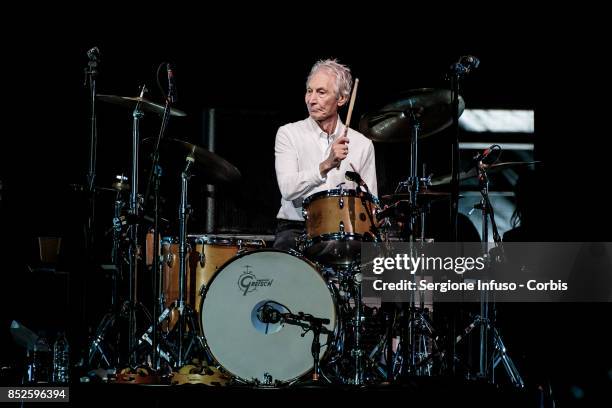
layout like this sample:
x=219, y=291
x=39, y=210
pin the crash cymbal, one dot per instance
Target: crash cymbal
x=145, y=104
x=473, y=173
x=392, y=123
x=209, y=167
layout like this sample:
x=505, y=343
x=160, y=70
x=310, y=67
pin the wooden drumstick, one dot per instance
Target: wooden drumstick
x=351, y=105
x=350, y=110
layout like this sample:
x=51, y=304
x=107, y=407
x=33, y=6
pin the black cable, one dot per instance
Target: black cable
x=159, y=84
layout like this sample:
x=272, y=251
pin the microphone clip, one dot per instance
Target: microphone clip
x=465, y=65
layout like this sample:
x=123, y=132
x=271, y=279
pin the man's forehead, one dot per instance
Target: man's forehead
x=321, y=79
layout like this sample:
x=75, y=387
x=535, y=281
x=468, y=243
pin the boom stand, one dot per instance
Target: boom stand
x=484, y=322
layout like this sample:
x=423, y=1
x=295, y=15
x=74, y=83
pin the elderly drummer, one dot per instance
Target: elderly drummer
x=314, y=154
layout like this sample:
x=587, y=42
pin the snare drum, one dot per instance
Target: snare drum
x=212, y=252
x=238, y=336
x=337, y=221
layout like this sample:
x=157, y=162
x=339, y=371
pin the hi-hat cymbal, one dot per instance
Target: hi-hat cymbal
x=473, y=172
x=145, y=104
x=431, y=107
x=423, y=195
x=209, y=167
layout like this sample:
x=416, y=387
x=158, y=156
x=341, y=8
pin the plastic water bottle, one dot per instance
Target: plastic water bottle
x=61, y=360
x=40, y=369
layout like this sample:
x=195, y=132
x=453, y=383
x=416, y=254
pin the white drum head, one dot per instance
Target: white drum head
x=237, y=338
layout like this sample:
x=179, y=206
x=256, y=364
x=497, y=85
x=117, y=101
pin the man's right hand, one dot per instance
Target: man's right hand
x=337, y=153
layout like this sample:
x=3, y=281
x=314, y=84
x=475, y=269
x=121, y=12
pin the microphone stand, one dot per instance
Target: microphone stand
x=91, y=74
x=154, y=177
x=457, y=71
x=487, y=307
x=314, y=324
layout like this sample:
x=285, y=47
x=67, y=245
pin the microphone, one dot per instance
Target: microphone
x=171, y=85
x=355, y=177
x=487, y=157
x=470, y=61
x=269, y=314
x=465, y=64
x=93, y=54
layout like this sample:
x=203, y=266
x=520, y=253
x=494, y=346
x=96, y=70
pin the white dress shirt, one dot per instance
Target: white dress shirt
x=299, y=149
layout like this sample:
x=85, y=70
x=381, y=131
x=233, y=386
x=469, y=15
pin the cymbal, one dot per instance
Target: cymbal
x=80, y=188
x=473, y=172
x=145, y=104
x=426, y=195
x=209, y=167
x=432, y=107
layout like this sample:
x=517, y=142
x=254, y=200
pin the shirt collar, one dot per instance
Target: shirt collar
x=319, y=132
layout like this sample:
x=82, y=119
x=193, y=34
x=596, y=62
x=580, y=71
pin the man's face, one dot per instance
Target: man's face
x=321, y=99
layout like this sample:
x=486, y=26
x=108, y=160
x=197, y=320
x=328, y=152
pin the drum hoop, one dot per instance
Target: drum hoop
x=333, y=291
x=173, y=240
x=334, y=236
x=337, y=193
x=227, y=241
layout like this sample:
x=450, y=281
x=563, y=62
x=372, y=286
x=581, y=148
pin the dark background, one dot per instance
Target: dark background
x=254, y=77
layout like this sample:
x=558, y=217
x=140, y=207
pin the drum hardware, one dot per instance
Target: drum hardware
x=186, y=323
x=488, y=333
x=91, y=74
x=209, y=168
x=134, y=210
x=131, y=305
x=97, y=345
x=357, y=352
x=456, y=74
x=154, y=178
x=417, y=114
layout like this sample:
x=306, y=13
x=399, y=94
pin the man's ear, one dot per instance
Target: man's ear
x=342, y=101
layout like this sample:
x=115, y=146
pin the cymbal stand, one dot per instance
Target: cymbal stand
x=415, y=324
x=108, y=321
x=130, y=306
x=351, y=283
x=187, y=319
x=133, y=211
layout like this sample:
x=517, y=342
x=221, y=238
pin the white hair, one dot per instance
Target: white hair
x=344, y=79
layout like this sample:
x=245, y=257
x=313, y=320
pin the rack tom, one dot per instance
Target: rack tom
x=337, y=222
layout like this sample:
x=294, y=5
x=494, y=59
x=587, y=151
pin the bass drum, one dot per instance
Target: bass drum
x=234, y=323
